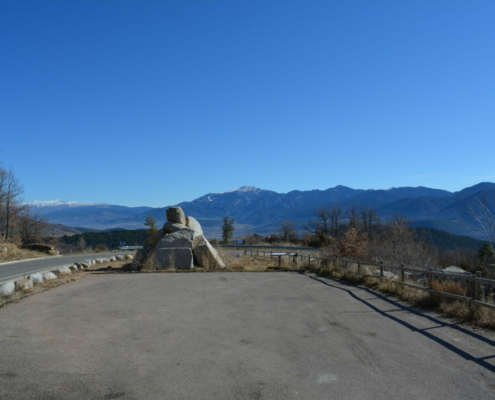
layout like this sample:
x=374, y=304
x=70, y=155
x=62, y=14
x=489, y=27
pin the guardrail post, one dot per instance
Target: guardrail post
x=477, y=287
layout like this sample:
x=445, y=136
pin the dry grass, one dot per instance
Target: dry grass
x=460, y=310
x=15, y=253
x=250, y=263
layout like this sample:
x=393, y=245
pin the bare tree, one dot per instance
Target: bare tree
x=31, y=227
x=482, y=213
x=10, y=201
x=288, y=232
x=335, y=215
x=321, y=225
x=398, y=245
x=369, y=220
x=352, y=213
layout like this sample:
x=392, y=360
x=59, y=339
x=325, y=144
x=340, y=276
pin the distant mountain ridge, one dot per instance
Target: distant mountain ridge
x=260, y=210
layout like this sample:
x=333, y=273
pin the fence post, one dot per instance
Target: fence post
x=279, y=261
x=381, y=269
x=477, y=287
x=309, y=261
x=402, y=273
x=430, y=279
x=359, y=268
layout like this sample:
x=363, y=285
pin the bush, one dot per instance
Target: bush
x=101, y=248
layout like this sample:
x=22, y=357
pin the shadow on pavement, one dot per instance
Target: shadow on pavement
x=478, y=360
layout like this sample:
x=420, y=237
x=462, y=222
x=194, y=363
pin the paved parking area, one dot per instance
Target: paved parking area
x=234, y=336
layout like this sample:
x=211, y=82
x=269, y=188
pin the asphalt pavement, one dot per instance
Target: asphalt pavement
x=235, y=336
x=15, y=269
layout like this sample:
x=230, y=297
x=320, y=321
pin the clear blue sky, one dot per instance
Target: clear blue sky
x=157, y=102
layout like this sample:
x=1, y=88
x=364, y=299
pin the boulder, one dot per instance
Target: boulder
x=36, y=278
x=131, y=267
x=82, y=265
x=455, y=270
x=113, y=258
x=61, y=271
x=7, y=289
x=206, y=255
x=139, y=257
x=107, y=260
x=89, y=262
x=23, y=284
x=5, y=248
x=99, y=260
x=120, y=257
x=74, y=268
x=173, y=258
x=47, y=276
x=129, y=257
x=183, y=238
x=153, y=239
x=41, y=247
x=175, y=214
x=193, y=224
x=171, y=227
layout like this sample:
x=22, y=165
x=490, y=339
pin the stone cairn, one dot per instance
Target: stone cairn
x=180, y=244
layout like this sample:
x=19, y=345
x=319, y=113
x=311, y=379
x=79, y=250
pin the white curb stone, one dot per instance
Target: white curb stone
x=47, y=276
x=23, y=284
x=7, y=289
x=36, y=278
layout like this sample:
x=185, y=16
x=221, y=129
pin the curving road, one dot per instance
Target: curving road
x=15, y=269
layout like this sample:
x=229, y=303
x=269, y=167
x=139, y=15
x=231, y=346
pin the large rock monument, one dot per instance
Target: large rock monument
x=180, y=244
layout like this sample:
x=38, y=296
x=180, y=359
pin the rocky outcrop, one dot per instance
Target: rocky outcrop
x=175, y=214
x=180, y=244
x=183, y=238
x=44, y=248
x=173, y=258
x=194, y=225
x=206, y=255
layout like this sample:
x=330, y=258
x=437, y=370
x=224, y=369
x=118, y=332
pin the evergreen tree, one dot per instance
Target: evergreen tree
x=228, y=229
x=151, y=222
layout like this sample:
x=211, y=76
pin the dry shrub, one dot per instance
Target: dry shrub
x=353, y=245
x=449, y=287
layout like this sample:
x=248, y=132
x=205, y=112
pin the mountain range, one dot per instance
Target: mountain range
x=260, y=211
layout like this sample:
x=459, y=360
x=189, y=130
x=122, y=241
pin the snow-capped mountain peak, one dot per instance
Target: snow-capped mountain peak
x=244, y=189
x=58, y=203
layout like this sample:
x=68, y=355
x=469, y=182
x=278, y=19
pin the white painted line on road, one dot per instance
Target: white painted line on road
x=29, y=259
